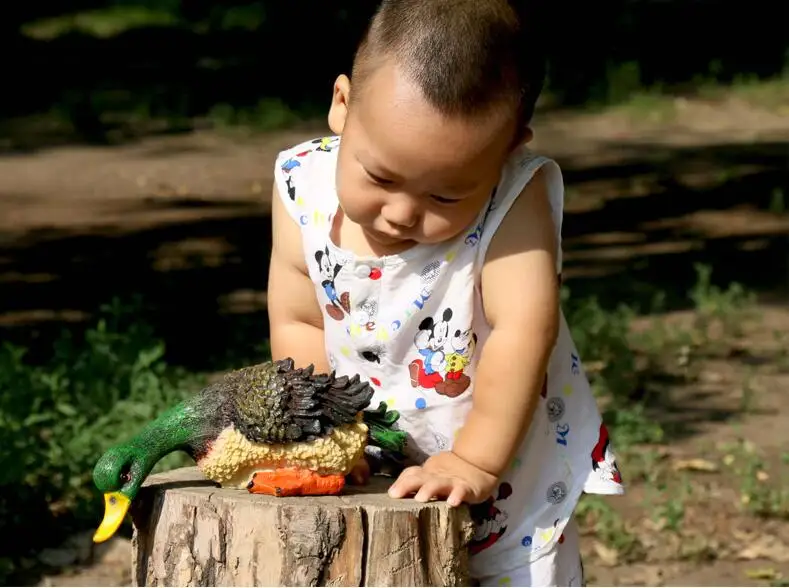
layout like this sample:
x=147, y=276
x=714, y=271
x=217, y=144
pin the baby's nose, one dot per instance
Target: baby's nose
x=403, y=213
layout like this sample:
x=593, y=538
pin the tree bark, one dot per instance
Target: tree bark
x=190, y=532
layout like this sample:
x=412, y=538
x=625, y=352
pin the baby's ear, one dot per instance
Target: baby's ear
x=523, y=136
x=338, y=112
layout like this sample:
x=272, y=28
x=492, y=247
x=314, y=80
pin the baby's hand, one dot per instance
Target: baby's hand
x=445, y=475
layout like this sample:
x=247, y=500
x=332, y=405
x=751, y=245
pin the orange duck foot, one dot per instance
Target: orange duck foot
x=295, y=482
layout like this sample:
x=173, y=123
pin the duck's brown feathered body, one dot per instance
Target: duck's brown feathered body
x=273, y=403
x=271, y=416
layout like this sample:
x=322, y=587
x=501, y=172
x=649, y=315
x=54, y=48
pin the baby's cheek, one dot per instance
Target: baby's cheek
x=445, y=225
x=360, y=206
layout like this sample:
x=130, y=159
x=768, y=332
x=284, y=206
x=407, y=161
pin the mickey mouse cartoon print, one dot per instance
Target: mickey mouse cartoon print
x=291, y=188
x=430, y=340
x=293, y=162
x=603, y=461
x=364, y=316
x=463, y=344
x=490, y=520
x=328, y=270
x=325, y=144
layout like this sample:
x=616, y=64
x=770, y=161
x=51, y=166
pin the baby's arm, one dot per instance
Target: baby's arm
x=295, y=317
x=520, y=296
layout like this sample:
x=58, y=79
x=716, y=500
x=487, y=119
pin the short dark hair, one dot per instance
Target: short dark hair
x=465, y=55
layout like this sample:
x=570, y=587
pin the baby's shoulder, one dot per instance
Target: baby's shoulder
x=519, y=172
x=520, y=169
x=303, y=173
x=301, y=156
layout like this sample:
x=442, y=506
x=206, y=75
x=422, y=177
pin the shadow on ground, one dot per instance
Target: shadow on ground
x=182, y=272
x=638, y=227
x=631, y=230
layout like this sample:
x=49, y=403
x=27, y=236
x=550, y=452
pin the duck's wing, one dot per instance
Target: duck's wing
x=276, y=403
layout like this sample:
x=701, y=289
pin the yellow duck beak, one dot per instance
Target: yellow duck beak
x=116, y=505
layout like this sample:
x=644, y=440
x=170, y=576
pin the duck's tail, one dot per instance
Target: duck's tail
x=385, y=450
x=384, y=437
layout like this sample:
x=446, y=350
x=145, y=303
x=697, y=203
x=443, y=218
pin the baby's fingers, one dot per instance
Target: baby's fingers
x=434, y=487
x=460, y=493
x=409, y=482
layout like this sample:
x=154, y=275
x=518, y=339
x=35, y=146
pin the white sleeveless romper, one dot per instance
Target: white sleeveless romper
x=411, y=325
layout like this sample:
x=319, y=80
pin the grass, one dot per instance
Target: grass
x=624, y=92
x=771, y=93
x=747, y=464
x=55, y=419
x=102, y=23
x=269, y=114
x=626, y=365
x=111, y=21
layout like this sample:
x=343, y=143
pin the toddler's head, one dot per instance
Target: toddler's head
x=440, y=93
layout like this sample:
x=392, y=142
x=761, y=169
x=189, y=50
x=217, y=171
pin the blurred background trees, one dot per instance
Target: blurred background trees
x=96, y=60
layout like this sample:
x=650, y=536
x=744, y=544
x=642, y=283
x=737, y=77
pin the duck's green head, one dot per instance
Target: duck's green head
x=121, y=471
x=118, y=474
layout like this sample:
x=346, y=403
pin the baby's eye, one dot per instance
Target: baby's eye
x=443, y=200
x=378, y=179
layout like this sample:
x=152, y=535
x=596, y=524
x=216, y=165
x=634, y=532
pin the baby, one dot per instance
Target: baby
x=420, y=247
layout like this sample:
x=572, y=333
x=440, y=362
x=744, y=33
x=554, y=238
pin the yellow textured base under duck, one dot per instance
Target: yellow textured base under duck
x=233, y=459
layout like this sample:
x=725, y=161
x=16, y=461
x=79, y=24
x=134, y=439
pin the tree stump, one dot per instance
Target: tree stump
x=190, y=532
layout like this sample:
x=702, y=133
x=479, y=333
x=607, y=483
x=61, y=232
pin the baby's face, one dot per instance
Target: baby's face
x=407, y=174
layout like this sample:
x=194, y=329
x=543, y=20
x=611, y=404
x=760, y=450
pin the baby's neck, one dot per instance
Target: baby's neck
x=351, y=237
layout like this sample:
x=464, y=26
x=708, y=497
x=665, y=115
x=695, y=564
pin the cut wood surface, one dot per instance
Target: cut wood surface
x=190, y=532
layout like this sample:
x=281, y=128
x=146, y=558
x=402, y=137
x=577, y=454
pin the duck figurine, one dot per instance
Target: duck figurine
x=270, y=428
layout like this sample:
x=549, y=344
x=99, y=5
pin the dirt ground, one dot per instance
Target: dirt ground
x=648, y=194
